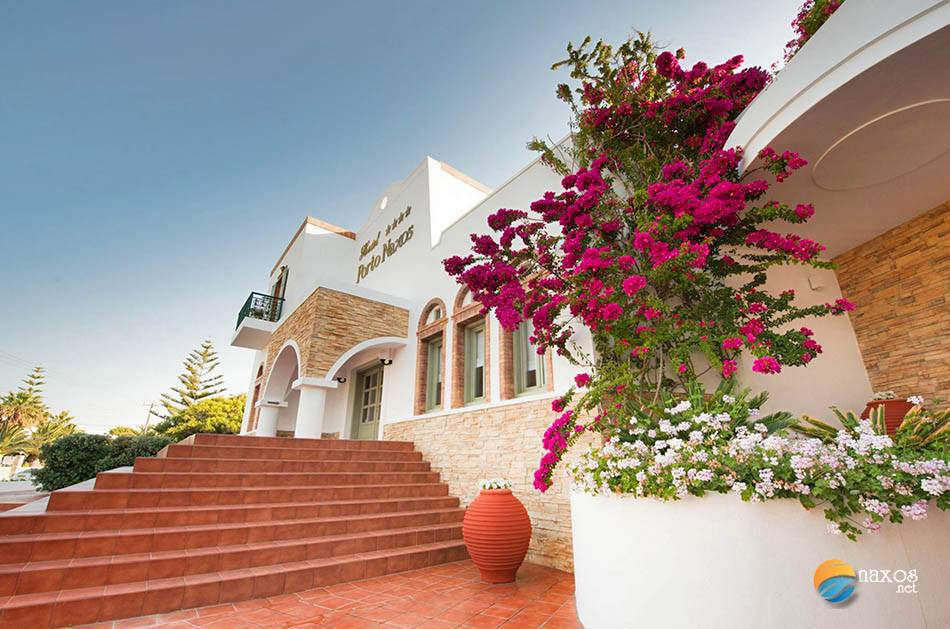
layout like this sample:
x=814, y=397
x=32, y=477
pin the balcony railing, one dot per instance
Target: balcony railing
x=261, y=306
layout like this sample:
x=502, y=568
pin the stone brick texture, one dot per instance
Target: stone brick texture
x=899, y=283
x=330, y=322
x=500, y=441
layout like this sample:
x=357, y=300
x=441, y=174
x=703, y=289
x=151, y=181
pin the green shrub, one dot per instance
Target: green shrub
x=75, y=458
x=220, y=415
x=125, y=449
x=70, y=460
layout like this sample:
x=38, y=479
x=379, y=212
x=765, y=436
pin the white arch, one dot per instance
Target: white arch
x=380, y=342
x=284, y=373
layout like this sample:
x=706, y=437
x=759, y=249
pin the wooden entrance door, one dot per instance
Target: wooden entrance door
x=366, y=407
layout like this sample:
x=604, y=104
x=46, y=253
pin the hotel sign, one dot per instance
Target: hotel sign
x=373, y=254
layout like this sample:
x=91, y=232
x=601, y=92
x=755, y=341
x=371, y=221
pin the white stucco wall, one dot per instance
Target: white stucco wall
x=315, y=257
x=717, y=561
x=837, y=377
x=412, y=275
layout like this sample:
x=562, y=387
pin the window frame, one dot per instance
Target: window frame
x=471, y=349
x=434, y=386
x=521, y=347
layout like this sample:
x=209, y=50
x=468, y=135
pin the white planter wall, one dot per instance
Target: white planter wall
x=719, y=562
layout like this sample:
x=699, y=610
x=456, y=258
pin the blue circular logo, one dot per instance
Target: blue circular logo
x=835, y=581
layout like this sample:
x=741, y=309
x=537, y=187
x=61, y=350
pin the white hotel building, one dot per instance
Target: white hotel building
x=364, y=336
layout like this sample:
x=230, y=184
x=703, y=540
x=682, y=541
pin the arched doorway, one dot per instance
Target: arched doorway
x=277, y=405
x=363, y=369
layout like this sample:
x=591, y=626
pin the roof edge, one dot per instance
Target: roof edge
x=316, y=222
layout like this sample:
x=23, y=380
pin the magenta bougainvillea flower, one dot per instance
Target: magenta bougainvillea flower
x=656, y=241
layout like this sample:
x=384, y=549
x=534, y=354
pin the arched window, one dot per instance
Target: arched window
x=430, y=358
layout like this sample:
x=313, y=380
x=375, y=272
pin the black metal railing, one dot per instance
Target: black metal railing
x=261, y=306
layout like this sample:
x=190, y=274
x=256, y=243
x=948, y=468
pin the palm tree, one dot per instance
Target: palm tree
x=47, y=431
x=13, y=441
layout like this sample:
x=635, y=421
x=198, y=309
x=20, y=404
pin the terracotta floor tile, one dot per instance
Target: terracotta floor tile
x=448, y=595
x=455, y=615
x=481, y=621
x=407, y=620
x=215, y=610
x=434, y=623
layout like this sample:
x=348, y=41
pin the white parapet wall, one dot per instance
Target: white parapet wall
x=717, y=561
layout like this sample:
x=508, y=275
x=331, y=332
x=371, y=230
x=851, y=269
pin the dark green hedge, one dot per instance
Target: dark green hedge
x=75, y=458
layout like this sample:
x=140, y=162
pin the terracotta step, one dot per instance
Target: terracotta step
x=177, y=450
x=182, y=480
x=194, y=496
x=45, y=576
x=154, y=464
x=56, y=546
x=91, y=604
x=219, y=518
x=293, y=443
x=159, y=517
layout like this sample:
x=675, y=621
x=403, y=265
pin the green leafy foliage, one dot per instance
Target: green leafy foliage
x=78, y=457
x=196, y=383
x=13, y=439
x=129, y=431
x=48, y=430
x=221, y=415
x=70, y=460
x=25, y=406
x=125, y=449
x=922, y=429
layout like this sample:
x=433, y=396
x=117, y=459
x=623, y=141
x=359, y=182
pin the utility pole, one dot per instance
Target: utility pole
x=148, y=417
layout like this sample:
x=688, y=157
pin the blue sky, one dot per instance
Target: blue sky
x=155, y=157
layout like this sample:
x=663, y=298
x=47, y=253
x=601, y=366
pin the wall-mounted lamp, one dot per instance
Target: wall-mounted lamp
x=385, y=362
x=340, y=379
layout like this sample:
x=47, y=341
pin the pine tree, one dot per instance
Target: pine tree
x=25, y=407
x=197, y=382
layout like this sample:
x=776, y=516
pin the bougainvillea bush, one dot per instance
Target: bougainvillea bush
x=811, y=16
x=658, y=242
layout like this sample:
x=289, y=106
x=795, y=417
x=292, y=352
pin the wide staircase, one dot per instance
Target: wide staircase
x=222, y=518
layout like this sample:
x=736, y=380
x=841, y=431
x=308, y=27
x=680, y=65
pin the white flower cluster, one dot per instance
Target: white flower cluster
x=494, y=483
x=691, y=449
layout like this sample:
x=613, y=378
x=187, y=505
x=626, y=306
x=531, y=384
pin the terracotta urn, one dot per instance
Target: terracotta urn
x=894, y=411
x=497, y=529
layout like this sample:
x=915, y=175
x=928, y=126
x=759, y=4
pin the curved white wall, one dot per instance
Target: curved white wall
x=860, y=34
x=719, y=562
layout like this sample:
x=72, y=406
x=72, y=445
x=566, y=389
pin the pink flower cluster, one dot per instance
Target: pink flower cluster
x=646, y=273
x=811, y=15
x=791, y=244
x=556, y=441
